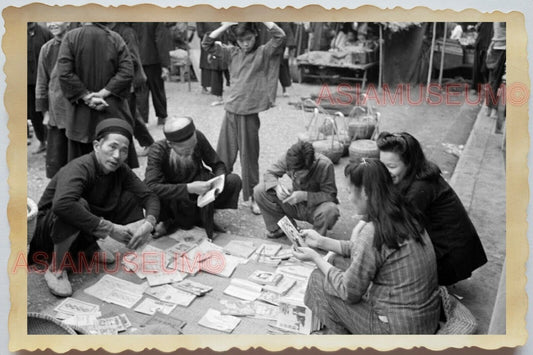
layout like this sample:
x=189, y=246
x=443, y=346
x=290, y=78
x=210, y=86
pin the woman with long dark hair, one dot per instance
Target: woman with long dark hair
x=457, y=245
x=390, y=285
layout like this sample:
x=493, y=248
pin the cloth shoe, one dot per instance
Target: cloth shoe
x=218, y=102
x=59, y=285
x=278, y=233
x=255, y=208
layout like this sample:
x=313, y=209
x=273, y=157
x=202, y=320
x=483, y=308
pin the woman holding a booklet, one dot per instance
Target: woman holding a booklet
x=390, y=285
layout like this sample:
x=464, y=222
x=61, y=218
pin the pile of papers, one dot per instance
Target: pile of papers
x=85, y=318
x=165, y=285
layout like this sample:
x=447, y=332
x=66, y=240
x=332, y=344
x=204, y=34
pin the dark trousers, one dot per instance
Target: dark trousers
x=217, y=82
x=56, y=151
x=155, y=86
x=480, y=73
x=35, y=117
x=239, y=134
x=140, y=132
x=284, y=73
x=51, y=229
x=186, y=214
x=495, y=79
x=206, y=78
x=323, y=217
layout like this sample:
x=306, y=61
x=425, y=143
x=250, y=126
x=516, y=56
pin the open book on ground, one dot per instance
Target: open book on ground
x=295, y=316
x=282, y=287
x=192, y=287
x=240, y=248
x=254, y=309
x=214, y=320
x=265, y=277
x=237, y=308
x=216, y=187
x=114, y=290
x=171, y=294
x=221, y=265
x=243, y=289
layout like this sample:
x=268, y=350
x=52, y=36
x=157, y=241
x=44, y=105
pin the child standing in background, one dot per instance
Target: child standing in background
x=253, y=70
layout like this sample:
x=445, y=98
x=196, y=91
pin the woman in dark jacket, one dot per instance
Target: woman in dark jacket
x=457, y=245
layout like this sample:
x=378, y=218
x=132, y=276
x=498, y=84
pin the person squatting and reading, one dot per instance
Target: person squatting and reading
x=312, y=197
x=177, y=171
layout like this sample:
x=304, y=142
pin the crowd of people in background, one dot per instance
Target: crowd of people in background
x=88, y=97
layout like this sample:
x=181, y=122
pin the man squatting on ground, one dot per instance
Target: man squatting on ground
x=314, y=193
x=177, y=172
x=92, y=197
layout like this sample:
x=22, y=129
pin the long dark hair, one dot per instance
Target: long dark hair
x=410, y=152
x=395, y=220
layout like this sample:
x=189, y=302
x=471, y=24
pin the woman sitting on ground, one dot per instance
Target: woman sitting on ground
x=457, y=246
x=390, y=285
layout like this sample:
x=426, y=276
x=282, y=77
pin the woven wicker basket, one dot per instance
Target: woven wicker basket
x=362, y=128
x=32, y=218
x=362, y=121
x=331, y=148
x=459, y=320
x=44, y=324
x=345, y=139
x=363, y=148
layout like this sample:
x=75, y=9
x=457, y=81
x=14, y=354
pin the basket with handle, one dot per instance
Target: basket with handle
x=365, y=148
x=362, y=121
x=324, y=133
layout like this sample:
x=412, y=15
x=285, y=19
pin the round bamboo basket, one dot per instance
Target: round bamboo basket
x=363, y=148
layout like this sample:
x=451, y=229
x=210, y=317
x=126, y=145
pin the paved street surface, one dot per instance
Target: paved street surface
x=480, y=181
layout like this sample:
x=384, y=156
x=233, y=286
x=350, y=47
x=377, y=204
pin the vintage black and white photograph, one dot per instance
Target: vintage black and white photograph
x=266, y=178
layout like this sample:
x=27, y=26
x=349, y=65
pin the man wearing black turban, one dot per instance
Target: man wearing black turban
x=178, y=171
x=92, y=197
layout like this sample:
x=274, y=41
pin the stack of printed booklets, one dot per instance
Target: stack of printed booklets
x=85, y=318
x=277, y=296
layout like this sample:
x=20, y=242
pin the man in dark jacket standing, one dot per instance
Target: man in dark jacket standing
x=95, y=71
x=155, y=44
x=37, y=37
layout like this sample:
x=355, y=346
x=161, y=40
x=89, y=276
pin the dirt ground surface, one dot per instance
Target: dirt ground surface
x=435, y=125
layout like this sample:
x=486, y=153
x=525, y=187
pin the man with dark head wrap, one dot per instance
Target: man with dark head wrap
x=178, y=169
x=312, y=196
x=92, y=197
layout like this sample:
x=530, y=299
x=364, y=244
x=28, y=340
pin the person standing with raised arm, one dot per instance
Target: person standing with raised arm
x=250, y=65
